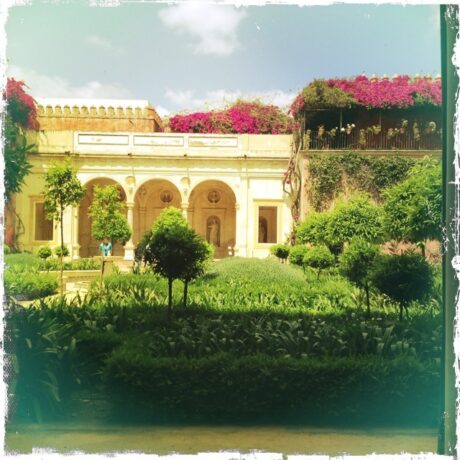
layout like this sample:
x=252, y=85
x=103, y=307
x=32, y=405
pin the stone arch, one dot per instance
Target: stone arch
x=212, y=213
x=89, y=247
x=151, y=198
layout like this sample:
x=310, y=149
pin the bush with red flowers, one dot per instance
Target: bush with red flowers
x=240, y=118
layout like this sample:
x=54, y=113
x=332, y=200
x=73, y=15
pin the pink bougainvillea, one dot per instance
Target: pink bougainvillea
x=241, y=118
x=20, y=105
x=399, y=92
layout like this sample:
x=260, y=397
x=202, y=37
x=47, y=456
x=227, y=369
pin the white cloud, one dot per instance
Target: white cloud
x=53, y=86
x=103, y=43
x=162, y=111
x=213, y=26
x=185, y=100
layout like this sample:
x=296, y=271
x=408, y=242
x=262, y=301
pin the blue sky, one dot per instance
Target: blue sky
x=192, y=56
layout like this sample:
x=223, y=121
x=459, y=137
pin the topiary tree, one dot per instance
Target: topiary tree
x=281, y=251
x=357, y=262
x=412, y=208
x=44, y=252
x=62, y=189
x=319, y=258
x=296, y=254
x=174, y=250
x=404, y=278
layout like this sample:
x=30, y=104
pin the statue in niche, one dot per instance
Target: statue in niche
x=262, y=230
x=213, y=231
x=166, y=196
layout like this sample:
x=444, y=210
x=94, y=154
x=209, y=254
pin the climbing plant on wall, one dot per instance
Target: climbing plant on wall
x=332, y=174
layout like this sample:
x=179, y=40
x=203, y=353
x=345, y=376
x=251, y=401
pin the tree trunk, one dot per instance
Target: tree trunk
x=368, y=302
x=185, y=293
x=401, y=312
x=61, y=258
x=422, y=245
x=170, y=282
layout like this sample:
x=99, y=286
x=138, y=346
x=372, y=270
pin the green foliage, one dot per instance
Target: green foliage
x=61, y=251
x=297, y=253
x=318, y=258
x=62, y=189
x=44, y=252
x=41, y=350
x=405, y=278
x=6, y=249
x=319, y=94
x=108, y=219
x=413, y=207
x=332, y=174
x=357, y=262
x=225, y=387
x=21, y=259
x=355, y=218
x=80, y=264
x=26, y=284
x=172, y=240
x=281, y=251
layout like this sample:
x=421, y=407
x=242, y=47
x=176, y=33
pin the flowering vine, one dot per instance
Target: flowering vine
x=399, y=92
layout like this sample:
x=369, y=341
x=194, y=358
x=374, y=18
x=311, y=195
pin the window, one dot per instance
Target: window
x=268, y=224
x=43, y=226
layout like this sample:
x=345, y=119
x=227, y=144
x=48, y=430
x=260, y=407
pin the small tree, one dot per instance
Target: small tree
x=404, y=278
x=44, y=252
x=108, y=220
x=281, y=251
x=62, y=189
x=319, y=258
x=412, y=208
x=174, y=250
x=296, y=254
x=356, y=264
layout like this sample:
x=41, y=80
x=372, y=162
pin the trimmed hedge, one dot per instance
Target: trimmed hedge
x=225, y=387
x=28, y=285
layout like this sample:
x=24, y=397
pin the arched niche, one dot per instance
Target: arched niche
x=212, y=214
x=151, y=198
x=89, y=247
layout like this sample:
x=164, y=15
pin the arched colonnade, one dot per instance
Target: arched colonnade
x=210, y=208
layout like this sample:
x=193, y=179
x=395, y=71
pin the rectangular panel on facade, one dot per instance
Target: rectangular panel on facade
x=205, y=141
x=43, y=226
x=268, y=228
x=98, y=139
x=161, y=141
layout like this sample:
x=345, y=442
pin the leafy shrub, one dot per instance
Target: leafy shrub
x=227, y=387
x=27, y=284
x=357, y=262
x=6, y=249
x=58, y=250
x=297, y=253
x=41, y=350
x=44, y=252
x=356, y=218
x=281, y=251
x=318, y=258
x=404, y=278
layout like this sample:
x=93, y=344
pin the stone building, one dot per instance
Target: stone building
x=228, y=186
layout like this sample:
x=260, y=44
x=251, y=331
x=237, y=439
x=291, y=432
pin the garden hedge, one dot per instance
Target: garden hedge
x=225, y=387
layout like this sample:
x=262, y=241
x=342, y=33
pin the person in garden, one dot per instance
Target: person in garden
x=105, y=247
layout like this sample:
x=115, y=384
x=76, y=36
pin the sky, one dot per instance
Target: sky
x=196, y=56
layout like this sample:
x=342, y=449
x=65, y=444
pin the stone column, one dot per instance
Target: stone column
x=241, y=231
x=129, y=246
x=75, y=253
x=184, y=206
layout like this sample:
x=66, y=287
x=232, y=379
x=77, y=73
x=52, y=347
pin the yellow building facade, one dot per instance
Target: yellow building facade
x=229, y=187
